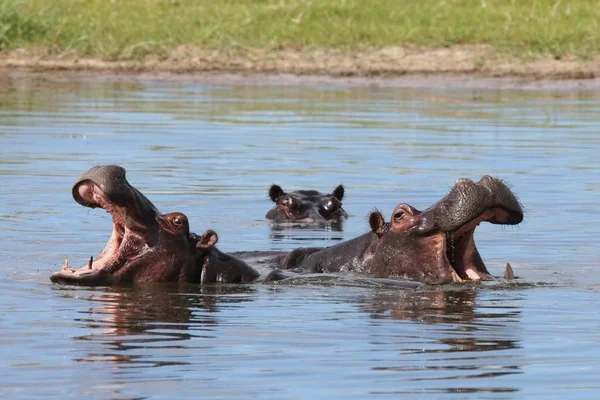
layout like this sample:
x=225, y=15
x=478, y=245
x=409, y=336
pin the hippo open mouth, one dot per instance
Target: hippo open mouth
x=141, y=237
x=459, y=214
x=460, y=250
x=437, y=245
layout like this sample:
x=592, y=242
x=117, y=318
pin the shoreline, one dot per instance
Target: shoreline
x=456, y=67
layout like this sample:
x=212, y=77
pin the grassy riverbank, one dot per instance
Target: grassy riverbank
x=117, y=30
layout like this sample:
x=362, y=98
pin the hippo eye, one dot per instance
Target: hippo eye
x=399, y=215
x=177, y=222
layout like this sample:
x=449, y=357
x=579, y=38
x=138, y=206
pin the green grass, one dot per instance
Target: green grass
x=128, y=29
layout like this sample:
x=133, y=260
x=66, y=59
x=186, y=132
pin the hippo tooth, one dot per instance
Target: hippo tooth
x=473, y=275
x=509, y=273
x=90, y=262
x=65, y=266
x=456, y=278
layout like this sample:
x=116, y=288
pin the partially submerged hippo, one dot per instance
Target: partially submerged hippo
x=434, y=246
x=145, y=245
x=306, y=205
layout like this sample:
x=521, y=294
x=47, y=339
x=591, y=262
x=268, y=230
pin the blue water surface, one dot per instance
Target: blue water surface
x=211, y=151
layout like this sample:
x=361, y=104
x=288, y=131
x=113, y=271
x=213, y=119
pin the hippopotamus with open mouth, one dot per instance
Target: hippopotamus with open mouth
x=145, y=245
x=306, y=205
x=434, y=246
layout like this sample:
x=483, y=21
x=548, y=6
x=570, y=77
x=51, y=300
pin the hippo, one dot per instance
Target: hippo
x=434, y=246
x=145, y=245
x=306, y=205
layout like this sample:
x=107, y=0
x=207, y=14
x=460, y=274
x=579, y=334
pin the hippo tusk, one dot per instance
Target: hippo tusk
x=90, y=262
x=509, y=273
x=65, y=266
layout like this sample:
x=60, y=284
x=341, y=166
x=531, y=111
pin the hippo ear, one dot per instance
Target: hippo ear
x=275, y=191
x=208, y=240
x=377, y=223
x=338, y=193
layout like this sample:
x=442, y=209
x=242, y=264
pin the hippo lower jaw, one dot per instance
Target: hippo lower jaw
x=86, y=276
x=460, y=251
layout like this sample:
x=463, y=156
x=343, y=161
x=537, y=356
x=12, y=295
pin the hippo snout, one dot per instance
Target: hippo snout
x=468, y=200
x=503, y=197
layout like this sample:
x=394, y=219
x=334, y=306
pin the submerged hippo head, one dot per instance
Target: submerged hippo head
x=436, y=245
x=306, y=205
x=145, y=245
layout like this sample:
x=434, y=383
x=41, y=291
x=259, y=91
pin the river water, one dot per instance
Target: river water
x=211, y=151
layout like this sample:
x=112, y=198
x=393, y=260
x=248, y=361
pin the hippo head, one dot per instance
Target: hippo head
x=437, y=245
x=306, y=205
x=145, y=245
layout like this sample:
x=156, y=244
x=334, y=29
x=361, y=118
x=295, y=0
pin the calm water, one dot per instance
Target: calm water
x=212, y=151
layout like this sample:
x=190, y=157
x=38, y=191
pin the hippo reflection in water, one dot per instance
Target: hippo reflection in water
x=434, y=246
x=145, y=245
x=306, y=205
